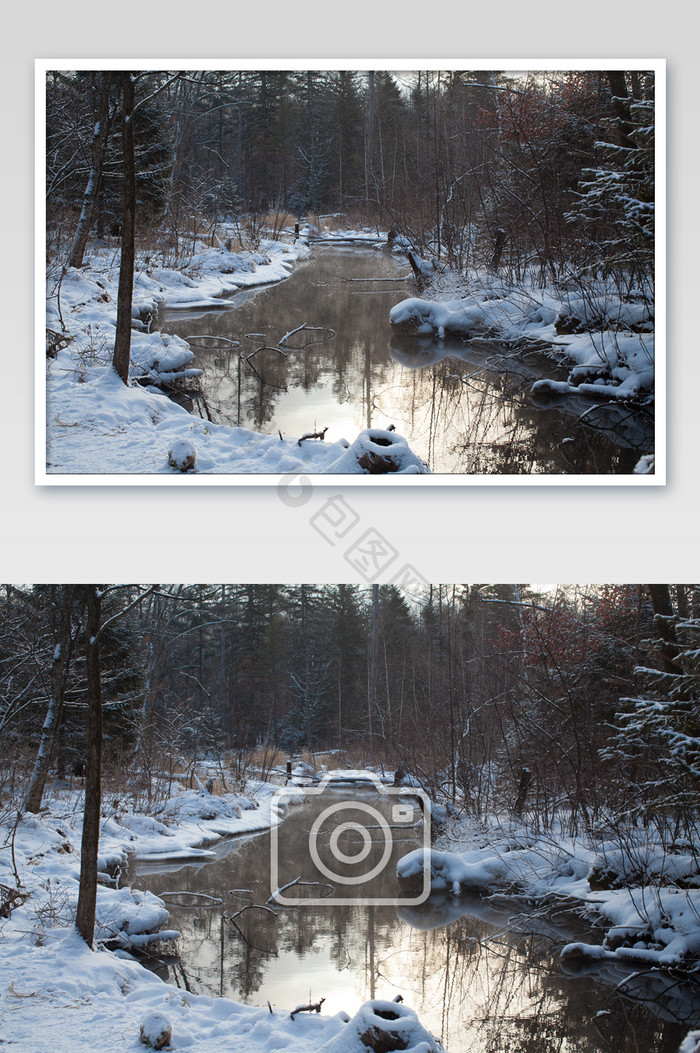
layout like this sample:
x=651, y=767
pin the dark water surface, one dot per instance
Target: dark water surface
x=364, y=376
x=486, y=979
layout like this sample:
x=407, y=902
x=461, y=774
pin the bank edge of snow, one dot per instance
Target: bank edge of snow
x=97, y=425
x=47, y=849
x=619, y=362
x=102, y=427
x=649, y=922
x=61, y=995
x=51, y=984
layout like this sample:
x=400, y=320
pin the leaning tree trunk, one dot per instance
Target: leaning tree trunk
x=59, y=674
x=87, y=896
x=122, y=343
x=100, y=91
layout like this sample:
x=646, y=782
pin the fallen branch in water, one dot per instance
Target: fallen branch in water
x=310, y=329
x=192, y=340
x=257, y=906
x=401, y=278
x=214, y=901
x=298, y=881
x=265, y=347
x=278, y=387
x=313, y=1007
x=253, y=906
x=291, y=333
x=313, y=435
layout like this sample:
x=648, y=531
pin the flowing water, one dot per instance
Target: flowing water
x=484, y=978
x=464, y=407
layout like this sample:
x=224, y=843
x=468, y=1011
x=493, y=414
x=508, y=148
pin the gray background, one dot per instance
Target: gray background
x=555, y=533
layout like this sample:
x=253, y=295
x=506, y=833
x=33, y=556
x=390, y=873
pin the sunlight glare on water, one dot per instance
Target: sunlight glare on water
x=464, y=407
x=473, y=973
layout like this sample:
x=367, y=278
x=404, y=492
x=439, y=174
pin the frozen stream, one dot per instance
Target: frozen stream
x=364, y=376
x=486, y=979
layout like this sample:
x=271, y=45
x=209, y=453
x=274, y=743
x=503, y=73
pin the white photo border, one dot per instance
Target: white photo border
x=43, y=66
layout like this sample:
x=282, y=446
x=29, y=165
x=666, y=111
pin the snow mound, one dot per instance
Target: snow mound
x=415, y=316
x=218, y=261
x=377, y=452
x=156, y=1030
x=193, y=804
x=383, y=1026
x=645, y=465
x=613, y=357
x=182, y=455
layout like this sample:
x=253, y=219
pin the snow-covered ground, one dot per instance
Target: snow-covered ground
x=47, y=849
x=323, y=233
x=607, y=340
x=97, y=425
x=645, y=897
x=57, y=994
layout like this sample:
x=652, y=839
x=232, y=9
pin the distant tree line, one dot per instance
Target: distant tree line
x=550, y=169
x=498, y=695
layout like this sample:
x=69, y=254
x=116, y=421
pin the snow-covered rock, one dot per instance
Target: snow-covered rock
x=645, y=465
x=156, y=1031
x=415, y=316
x=182, y=455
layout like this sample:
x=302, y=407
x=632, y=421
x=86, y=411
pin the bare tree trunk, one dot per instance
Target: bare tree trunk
x=372, y=669
x=369, y=134
x=87, y=896
x=122, y=343
x=663, y=610
x=618, y=89
x=59, y=675
x=100, y=92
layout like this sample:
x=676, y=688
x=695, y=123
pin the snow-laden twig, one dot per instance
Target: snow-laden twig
x=192, y=340
x=292, y=332
x=298, y=881
x=310, y=329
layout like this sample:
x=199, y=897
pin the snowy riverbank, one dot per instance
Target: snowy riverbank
x=55, y=991
x=645, y=897
x=604, y=338
x=98, y=426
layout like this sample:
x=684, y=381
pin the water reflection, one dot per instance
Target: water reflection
x=464, y=407
x=485, y=977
